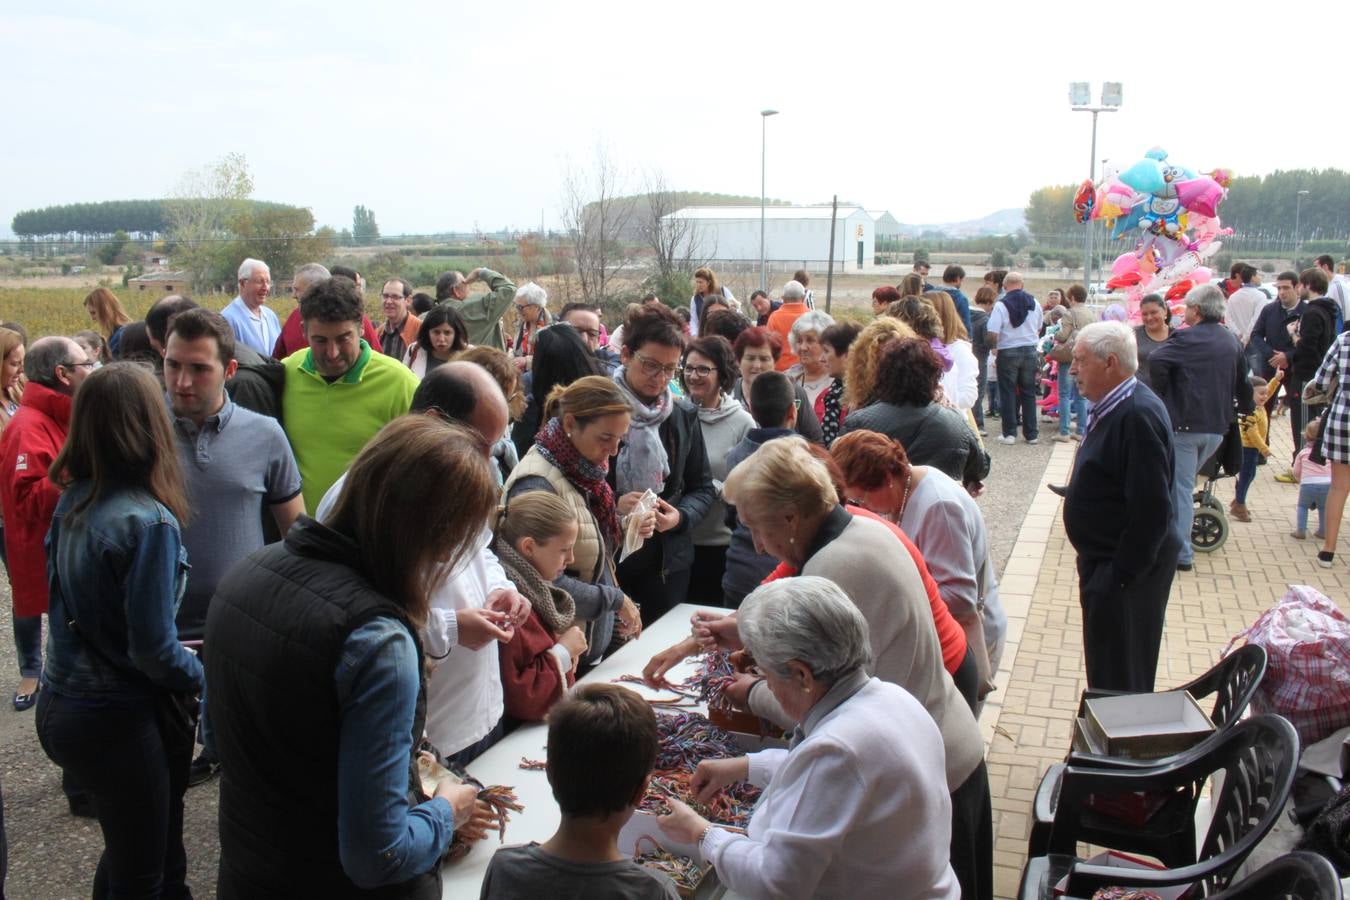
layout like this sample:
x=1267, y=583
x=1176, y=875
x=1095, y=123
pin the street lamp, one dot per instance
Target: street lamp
x=1080, y=100
x=1298, y=202
x=763, y=125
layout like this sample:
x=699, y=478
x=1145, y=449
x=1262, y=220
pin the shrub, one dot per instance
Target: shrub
x=1000, y=259
x=1037, y=261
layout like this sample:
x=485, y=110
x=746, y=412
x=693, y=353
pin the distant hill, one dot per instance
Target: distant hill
x=1004, y=221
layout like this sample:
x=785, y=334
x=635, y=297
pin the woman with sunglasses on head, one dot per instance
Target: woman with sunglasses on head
x=708, y=375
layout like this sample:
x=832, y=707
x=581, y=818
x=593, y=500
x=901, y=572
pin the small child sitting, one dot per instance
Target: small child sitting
x=1314, y=482
x=533, y=542
x=1255, y=427
x=602, y=744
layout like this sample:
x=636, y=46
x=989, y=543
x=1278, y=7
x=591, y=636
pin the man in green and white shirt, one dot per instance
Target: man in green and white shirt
x=339, y=392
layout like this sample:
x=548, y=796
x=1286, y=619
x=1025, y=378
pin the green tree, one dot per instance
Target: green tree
x=1050, y=210
x=111, y=249
x=921, y=256
x=283, y=236
x=364, y=229
x=204, y=204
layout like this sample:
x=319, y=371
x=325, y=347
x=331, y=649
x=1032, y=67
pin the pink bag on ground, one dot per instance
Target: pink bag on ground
x=1307, y=643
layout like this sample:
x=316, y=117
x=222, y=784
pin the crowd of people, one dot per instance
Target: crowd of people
x=358, y=541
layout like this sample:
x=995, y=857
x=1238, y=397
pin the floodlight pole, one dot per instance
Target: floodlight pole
x=763, y=132
x=1092, y=176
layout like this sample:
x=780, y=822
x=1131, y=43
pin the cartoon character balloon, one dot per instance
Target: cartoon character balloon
x=1154, y=202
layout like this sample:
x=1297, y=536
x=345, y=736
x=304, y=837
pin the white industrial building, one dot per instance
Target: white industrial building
x=796, y=235
x=887, y=225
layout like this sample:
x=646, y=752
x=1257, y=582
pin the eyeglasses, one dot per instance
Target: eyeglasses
x=76, y=365
x=652, y=367
x=587, y=332
x=698, y=371
x=391, y=296
x=521, y=307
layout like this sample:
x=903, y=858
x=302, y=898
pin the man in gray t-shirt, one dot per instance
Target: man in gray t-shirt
x=235, y=462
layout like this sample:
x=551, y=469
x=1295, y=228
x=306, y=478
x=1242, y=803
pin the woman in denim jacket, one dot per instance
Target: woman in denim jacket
x=118, y=701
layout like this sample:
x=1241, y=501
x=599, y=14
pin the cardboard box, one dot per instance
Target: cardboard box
x=1115, y=859
x=1146, y=726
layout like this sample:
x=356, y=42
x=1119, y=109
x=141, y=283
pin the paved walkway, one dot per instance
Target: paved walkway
x=1028, y=729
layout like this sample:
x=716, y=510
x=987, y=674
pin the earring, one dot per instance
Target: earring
x=569, y=435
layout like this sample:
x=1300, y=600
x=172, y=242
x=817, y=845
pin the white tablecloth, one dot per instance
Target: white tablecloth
x=501, y=763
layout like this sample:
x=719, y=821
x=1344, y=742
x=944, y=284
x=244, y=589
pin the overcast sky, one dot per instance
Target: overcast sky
x=439, y=118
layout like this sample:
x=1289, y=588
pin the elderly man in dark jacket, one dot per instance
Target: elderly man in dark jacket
x=1199, y=374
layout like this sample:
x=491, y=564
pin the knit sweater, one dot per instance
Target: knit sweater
x=328, y=423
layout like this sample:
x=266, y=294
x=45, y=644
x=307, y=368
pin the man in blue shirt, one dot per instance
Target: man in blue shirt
x=236, y=464
x=254, y=324
x=1014, y=327
x=952, y=276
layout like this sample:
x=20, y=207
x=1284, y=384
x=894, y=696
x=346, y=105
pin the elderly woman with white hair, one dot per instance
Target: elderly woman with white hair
x=785, y=496
x=531, y=302
x=856, y=806
x=811, y=372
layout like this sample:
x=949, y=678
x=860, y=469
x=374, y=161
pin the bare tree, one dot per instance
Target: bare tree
x=676, y=243
x=203, y=204
x=595, y=218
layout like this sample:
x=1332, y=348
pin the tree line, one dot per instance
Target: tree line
x=1257, y=206
x=143, y=218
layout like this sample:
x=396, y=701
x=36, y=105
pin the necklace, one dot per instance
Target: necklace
x=904, y=499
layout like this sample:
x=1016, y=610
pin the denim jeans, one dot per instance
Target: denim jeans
x=1017, y=372
x=981, y=388
x=28, y=640
x=1070, y=401
x=1192, y=449
x=137, y=778
x=1310, y=496
x=1247, y=474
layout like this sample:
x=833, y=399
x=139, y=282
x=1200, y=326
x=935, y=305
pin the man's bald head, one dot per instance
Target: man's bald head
x=58, y=363
x=467, y=393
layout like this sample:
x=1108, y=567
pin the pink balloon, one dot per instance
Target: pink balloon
x=1125, y=264
x=1202, y=195
x=1202, y=275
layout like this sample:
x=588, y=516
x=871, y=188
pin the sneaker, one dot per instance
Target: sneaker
x=202, y=770
x=1286, y=477
x=984, y=432
x=1006, y=439
x=1032, y=441
x=1325, y=558
x=1185, y=567
x=1076, y=436
x=1061, y=439
x=1299, y=535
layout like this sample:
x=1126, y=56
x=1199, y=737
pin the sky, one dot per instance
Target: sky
x=446, y=117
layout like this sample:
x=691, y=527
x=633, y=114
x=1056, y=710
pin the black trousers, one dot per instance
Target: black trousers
x=645, y=578
x=973, y=836
x=136, y=772
x=1123, y=623
x=705, y=580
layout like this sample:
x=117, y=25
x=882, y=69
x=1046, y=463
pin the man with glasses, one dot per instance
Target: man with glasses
x=586, y=320
x=400, y=325
x=55, y=368
x=482, y=315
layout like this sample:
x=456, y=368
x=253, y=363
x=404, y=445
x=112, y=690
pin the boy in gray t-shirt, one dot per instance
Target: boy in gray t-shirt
x=602, y=744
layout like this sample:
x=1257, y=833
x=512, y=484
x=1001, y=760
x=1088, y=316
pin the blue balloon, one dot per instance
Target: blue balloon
x=1145, y=176
x=1129, y=221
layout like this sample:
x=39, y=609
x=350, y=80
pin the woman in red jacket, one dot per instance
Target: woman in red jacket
x=533, y=542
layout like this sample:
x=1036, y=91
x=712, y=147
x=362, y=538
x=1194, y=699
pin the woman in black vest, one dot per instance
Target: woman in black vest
x=318, y=691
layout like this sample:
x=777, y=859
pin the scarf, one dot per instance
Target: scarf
x=582, y=474
x=1018, y=303
x=642, y=462
x=556, y=608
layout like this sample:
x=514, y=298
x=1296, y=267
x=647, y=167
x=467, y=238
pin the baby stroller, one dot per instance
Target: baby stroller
x=1209, y=528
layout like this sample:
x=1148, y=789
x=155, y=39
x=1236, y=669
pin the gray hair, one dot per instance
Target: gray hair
x=39, y=365
x=811, y=321
x=1104, y=339
x=1208, y=302
x=249, y=266
x=307, y=276
x=532, y=294
x=1013, y=278
x=809, y=619
x=793, y=290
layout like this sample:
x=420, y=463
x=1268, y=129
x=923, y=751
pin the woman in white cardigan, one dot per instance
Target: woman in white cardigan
x=857, y=806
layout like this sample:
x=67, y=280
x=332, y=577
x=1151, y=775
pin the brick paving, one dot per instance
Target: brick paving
x=1028, y=721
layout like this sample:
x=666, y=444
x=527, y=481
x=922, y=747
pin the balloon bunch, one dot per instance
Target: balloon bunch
x=1173, y=215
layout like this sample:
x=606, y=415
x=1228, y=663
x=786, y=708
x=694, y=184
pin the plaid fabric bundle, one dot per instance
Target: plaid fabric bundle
x=1307, y=642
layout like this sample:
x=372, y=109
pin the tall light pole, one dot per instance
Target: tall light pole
x=1080, y=100
x=1298, y=202
x=763, y=132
